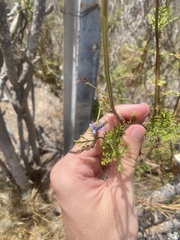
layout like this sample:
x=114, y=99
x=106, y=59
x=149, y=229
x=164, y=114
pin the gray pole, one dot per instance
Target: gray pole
x=69, y=69
x=81, y=59
x=88, y=61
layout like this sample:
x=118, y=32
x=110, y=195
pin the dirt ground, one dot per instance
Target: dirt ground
x=48, y=113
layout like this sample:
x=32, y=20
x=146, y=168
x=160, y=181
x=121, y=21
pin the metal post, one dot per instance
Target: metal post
x=88, y=61
x=81, y=59
x=69, y=69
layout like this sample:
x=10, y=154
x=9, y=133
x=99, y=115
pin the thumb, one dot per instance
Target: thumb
x=133, y=139
x=135, y=132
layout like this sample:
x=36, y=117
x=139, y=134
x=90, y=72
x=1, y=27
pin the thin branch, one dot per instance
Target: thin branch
x=6, y=46
x=38, y=14
x=157, y=64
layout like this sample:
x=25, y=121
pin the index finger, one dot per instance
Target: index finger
x=140, y=110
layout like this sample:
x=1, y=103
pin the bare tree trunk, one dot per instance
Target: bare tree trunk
x=11, y=157
x=22, y=83
x=27, y=75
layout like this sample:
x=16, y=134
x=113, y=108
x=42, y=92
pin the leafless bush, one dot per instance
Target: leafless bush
x=20, y=31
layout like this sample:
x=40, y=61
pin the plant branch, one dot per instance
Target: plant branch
x=6, y=46
x=106, y=57
x=157, y=63
x=27, y=74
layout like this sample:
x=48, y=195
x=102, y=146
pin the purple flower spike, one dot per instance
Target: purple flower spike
x=95, y=127
x=101, y=126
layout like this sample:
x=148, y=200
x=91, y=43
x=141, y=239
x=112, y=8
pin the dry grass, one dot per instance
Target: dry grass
x=33, y=217
x=164, y=216
x=161, y=207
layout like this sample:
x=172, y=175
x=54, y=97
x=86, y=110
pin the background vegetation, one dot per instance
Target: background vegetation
x=29, y=211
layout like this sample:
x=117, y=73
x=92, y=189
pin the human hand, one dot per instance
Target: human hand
x=95, y=208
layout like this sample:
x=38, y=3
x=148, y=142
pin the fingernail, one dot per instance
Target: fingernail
x=138, y=133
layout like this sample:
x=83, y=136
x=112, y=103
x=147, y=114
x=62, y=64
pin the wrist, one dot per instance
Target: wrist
x=96, y=229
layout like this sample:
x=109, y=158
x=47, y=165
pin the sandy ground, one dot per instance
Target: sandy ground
x=48, y=114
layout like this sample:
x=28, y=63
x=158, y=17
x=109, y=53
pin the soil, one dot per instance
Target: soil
x=48, y=113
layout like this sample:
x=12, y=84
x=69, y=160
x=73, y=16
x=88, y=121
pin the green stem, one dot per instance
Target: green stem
x=157, y=63
x=104, y=19
x=103, y=93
